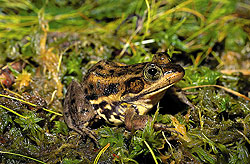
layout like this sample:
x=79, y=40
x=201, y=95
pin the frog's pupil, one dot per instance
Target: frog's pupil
x=152, y=71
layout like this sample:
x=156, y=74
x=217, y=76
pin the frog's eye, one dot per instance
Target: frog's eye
x=152, y=72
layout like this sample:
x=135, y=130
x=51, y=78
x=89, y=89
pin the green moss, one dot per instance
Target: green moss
x=204, y=36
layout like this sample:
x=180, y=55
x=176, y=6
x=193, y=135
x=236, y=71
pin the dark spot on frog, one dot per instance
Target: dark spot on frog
x=121, y=73
x=103, y=104
x=100, y=74
x=124, y=106
x=84, y=112
x=96, y=106
x=111, y=89
x=107, y=62
x=117, y=117
x=107, y=113
x=91, y=86
x=134, y=85
x=115, y=104
x=138, y=72
x=111, y=72
x=86, y=91
x=99, y=67
x=72, y=102
x=92, y=97
x=66, y=114
x=98, y=85
x=136, y=110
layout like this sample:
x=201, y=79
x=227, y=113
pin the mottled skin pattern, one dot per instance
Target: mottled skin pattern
x=119, y=93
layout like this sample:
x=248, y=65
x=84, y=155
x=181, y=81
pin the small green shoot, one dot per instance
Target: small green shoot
x=24, y=156
x=31, y=104
x=151, y=151
x=100, y=153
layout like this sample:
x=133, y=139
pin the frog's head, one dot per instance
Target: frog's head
x=161, y=73
x=157, y=76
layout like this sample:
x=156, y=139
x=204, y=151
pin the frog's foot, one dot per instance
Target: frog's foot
x=91, y=134
x=85, y=131
x=159, y=126
x=181, y=95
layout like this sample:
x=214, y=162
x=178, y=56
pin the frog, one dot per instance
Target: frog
x=119, y=94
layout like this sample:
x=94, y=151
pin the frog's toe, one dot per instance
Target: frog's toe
x=90, y=134
x=159, y=126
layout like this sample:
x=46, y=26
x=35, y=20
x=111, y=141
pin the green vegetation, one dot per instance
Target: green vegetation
x=54, y=42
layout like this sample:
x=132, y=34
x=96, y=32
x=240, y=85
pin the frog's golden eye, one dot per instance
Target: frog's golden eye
x=152, y=72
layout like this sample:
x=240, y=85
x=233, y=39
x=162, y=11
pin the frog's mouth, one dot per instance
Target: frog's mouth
x=145, y=101
x=153, y=96
x=158, y=90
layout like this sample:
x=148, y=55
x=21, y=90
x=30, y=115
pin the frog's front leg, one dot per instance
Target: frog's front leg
x=133, y=121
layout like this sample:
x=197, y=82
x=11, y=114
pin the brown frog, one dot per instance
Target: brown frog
x=119, y=93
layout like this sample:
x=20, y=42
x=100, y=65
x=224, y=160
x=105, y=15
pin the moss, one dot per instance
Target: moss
x=60, y=40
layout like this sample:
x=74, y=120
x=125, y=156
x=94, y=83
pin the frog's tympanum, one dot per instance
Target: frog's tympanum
x=119, y=93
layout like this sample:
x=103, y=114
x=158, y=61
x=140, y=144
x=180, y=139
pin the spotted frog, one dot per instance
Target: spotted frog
x=119, y=93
